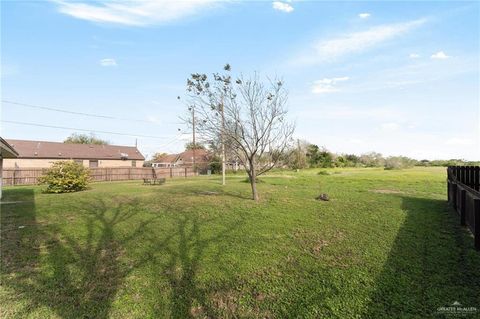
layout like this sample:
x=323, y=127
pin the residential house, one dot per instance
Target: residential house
x=41, y=154
x=167, y=160
x=184, y=159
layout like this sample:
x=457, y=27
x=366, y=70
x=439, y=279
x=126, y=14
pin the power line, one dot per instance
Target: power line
x=175, y=139
x=84, y=130
x=53, y=109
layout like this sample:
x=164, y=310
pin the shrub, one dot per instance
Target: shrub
x=323, y=173
x=215, y=165
x=399, y=162
x=65, y=177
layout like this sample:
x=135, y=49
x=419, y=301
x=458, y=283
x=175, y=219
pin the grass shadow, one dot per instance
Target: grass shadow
x=432, y=264
x=180, y=260
x=18, y=228
x=79, y=273
x=75, y=276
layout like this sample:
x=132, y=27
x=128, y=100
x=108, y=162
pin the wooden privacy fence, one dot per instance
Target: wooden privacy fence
x=464, y=195
x=29, y=176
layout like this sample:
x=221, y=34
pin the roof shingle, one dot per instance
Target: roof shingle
x=42, y=149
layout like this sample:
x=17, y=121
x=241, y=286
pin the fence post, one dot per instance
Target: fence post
x=467, y=170
x=463, y=194
x=185, y=172
x=476, y=226
x=476, y=178
x=171, y=173
x=449, y=189
x=454, y=196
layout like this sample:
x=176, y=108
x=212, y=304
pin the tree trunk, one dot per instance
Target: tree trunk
x=253, y=181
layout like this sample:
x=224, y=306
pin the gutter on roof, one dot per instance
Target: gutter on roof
x=11, y=152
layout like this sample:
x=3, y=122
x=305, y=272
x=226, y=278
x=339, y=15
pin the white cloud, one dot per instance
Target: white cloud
x=459, y=141
x=108, y=62
x=364, y=15
x=134, y=13
x=327, y=85
x=354, y=42
x=389, y=127
x=282, y=6
x=414, y=56
x=440, y=55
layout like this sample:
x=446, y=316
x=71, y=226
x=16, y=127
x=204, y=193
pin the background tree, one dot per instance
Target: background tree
x=248, y=114
x=399, y=162
x=76, y=138
x=319, y=157
x=372, y=159
x=158, y=156
x=197, y=146
x=352, y=160
x=297, y=155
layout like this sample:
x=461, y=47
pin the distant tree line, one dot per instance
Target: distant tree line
x=306, y=154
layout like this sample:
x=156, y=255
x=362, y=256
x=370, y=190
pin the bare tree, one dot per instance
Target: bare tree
x=246, y=113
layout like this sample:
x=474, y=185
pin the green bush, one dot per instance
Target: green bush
x=215, y=165
x=323, y=173
x=65, y=177
x=399, y=162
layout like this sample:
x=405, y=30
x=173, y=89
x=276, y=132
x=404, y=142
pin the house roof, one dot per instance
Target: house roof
x=167, y=158
x=6, y=150
x=201, y=155
x=187, y=157
x=42, y=149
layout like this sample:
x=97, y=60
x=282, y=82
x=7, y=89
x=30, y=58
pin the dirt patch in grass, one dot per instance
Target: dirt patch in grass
x=208, y=193
x=226, y=302
x=313, y=244
x=319, y=246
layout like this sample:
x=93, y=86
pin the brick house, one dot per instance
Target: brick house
x=41, y=154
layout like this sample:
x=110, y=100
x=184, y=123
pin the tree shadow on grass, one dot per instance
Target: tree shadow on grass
x=75, y=276
x=180, y=259
x=432, y=263
x=77, y=273
x=18, y=227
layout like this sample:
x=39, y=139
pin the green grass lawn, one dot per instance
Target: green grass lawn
x=386, y=245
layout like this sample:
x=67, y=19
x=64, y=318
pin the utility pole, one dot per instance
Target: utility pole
x=223, y=143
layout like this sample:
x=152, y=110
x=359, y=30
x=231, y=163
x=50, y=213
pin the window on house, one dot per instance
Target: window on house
x=93, y=163
x=134, y=163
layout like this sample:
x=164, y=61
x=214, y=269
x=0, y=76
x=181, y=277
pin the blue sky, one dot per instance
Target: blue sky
x=393, y=77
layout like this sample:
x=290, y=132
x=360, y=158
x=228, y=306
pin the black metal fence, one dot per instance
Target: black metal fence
x=464, y=196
